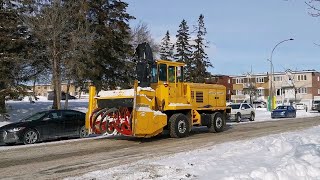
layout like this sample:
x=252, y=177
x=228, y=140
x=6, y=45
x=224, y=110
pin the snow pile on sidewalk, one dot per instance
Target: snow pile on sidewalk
x=289, y=156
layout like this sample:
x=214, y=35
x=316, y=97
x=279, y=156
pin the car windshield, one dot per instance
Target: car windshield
x=282, y=107
x=234, y=106
x=35, y=116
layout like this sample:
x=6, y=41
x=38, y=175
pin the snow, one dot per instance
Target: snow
x=114, y=93
x=123, y=92
x=288, y=156
x=178, y=104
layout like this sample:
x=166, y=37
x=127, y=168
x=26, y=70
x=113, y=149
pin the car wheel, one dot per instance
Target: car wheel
x=30, y=137
x=238, y=117
x=252, y=116
x=216, y=123
x=83, y=132
x=179, y=126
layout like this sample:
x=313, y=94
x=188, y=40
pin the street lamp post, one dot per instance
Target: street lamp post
x=272, y=71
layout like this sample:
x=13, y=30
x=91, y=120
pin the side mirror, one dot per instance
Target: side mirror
x=46, y=119
x=242, y=108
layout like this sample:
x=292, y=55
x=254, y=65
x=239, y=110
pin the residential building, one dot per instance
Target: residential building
x=222, y=80
x=45, y=89
x=289, y=87
x=256, y=85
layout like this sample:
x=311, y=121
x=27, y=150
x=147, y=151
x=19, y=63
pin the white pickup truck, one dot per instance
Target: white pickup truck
x=241, y=111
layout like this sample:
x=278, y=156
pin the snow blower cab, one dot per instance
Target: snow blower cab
x=159, y=100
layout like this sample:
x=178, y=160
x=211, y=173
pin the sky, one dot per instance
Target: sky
x=241, y=34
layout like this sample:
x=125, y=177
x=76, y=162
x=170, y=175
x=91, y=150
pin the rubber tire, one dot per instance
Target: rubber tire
x=238, y=117
x=27, y=132
x=83, y=132
x=213, y=123
x=252, y=116
x=295, y=115
x=173, y=125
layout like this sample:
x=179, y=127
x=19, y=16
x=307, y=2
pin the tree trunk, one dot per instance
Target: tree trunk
x=2, y=99
x=34, y=89
x=2, y=104
x=56, y=83
x=67, y=95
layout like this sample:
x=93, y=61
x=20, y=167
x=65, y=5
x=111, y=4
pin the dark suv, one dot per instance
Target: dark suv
x=316, y=105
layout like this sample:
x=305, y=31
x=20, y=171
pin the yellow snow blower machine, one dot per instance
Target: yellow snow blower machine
x=160, y=100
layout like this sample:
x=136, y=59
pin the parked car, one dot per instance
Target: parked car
x=300, y=106
x=45, y=125
x=241, y=111
x=284, y=112
x=259, y=104
x=63, y=96
x=316, y=106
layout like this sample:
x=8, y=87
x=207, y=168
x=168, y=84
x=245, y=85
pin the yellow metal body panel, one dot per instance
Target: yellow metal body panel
x=91, y=106
x=148, y=123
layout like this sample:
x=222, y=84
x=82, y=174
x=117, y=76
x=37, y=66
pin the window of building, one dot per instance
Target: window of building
x=279, y=92
x=229, y=81
x=239, y=92
x=318, y=78
x=302, y=90
x=277, y=78
x=229, y=91
x=302, y=77
x=39, y=87
x=260, y=80
x=239, y=80
x=45, y=87
x=318, y=91
x=260, y=92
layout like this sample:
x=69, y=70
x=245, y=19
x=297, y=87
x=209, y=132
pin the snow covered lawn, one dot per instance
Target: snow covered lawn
x=288, y=156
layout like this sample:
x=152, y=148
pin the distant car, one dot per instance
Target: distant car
x=241, y=111
x=259, y=104
x=300, y=106
x=284, y=112
x=45, y=125
x=63, y=96
x=316, y=105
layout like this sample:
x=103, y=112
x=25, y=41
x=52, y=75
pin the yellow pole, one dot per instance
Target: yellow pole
x=133, y=118
x=91, y=106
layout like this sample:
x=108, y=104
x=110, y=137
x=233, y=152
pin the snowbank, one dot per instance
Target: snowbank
x=122, y=92
x=290, y=156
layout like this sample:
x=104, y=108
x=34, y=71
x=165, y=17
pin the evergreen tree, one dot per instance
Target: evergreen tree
x=109, y=66
x=200, y=61
x=183, y=48
x=13, y=52
x=166, y=48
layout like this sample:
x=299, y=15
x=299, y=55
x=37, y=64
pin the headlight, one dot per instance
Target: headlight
x=16, y=129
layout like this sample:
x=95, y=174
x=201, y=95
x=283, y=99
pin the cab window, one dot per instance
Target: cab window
x=162, y=72
x=180, y=74
x=154, y=74
x=171, y=74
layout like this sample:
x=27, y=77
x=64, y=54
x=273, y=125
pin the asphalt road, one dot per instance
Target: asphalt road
x=74, y=158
